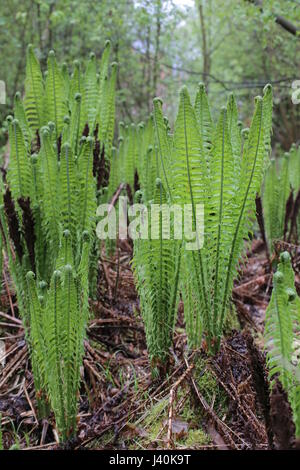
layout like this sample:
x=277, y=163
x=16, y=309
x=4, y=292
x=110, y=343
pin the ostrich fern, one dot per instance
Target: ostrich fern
x=276, y=195
x=216, y=165
x=281, y=198
x=47, y=213
x=156, y=267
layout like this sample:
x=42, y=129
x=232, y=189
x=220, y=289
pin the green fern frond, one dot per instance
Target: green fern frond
x=204, y=120
x=68, y=203
x=75, y=126
x=270, y=205
x=235, y=134
x=65, y=254
x=50, y=189
x=20, y=115
x=277, y=190
x=155, y=271
x=58, y=190
x=19, y=171
x=294, y=168
x=104, y=68
x=222, y=174
x=163, y=145
x=251, y=179
x=55, y=92
x=34, y=92
x=90, y=95
x=103, y=87
x=267, y=116
x=54, y=321
x=37, y=342
x=66, y=78
x=189, y=183
x=107, y=125
x=87, y=193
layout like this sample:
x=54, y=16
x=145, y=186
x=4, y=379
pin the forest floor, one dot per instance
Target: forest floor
x=220, y=402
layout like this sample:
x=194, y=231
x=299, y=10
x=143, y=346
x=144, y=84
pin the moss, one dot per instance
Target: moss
x=154, y=420
x=155, y=412
x=209, y=388
x=102, y=441
x=195, y=438
x=155, y=417
x=188, y=411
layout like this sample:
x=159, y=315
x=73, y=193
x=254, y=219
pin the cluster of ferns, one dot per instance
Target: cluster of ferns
x=281, y=198
x=60, y=145
x=63, y=164
x=216, y=164
x=282, y=336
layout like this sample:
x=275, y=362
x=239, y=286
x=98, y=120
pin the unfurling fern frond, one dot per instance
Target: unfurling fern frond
x=270, y=204
x=204, y=119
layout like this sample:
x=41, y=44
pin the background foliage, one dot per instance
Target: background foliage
x=161, y=44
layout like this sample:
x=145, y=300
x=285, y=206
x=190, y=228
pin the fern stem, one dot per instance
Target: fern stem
x=35, y=95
